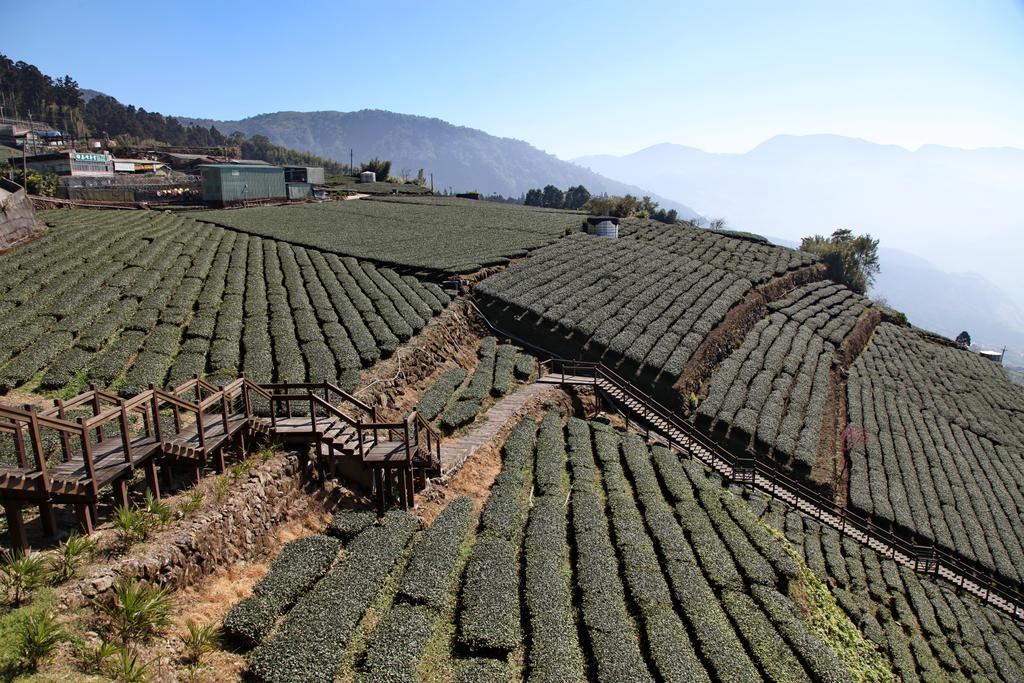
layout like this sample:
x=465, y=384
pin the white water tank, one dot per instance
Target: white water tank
x=603, y=226
x=367, y=177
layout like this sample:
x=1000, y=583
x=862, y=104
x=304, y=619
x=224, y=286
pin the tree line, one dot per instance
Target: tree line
x=27, y=93
x=578, y=197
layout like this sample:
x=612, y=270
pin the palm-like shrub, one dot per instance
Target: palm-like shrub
x=200, y=640
x=70, y=555
x=159, y=512
x=132, y=525
x=137, y=612
x=40, y=635
x=129, y=668
x=21, y=573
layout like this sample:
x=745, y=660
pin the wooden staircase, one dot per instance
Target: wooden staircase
x=392, y=459
x=69, y=452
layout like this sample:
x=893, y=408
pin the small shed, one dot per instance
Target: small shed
x=232, y=183
x=314, y=175
x=603, y=226
x=299, y=190
x=367, y=177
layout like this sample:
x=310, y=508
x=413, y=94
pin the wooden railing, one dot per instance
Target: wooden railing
x=765, y=474
x=415, y=432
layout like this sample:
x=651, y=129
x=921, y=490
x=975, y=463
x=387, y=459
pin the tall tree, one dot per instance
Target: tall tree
x=576, y=197
x=553, y=197
x=534, y=197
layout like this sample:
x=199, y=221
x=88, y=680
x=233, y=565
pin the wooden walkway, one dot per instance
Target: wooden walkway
x=455, y=453
x=102, y=439
x=660, y=425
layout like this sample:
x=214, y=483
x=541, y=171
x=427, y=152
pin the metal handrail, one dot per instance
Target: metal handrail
x=927, y=558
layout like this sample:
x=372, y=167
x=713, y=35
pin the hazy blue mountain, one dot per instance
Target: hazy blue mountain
x=959, y=209
x=459, y=157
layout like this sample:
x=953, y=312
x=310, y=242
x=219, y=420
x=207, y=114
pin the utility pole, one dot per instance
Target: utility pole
x=351, y=166
x=431, y=181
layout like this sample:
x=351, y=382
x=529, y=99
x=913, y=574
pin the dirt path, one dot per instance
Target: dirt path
x=455, y=453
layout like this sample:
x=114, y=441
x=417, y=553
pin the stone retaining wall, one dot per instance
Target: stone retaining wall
x=242, y=527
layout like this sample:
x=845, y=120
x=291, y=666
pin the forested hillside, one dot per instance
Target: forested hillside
x=460, y=158
x=26, y=92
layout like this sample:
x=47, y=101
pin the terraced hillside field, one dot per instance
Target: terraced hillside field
x=927, y=629
x=124, y=299
x=595, y=558
x=430, y=233
x=942, y=451
x=776, y=393
x=642, y=304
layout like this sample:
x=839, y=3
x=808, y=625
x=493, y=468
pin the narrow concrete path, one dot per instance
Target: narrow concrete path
x=455, y=453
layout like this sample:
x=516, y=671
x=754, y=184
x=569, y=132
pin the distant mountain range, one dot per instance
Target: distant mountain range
x=959, y=209
x=460, y=158
x=943, y=216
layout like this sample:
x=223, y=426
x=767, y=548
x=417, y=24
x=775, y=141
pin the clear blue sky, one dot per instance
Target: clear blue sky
x=580, y=78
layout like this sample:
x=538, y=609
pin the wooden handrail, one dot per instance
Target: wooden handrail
x=252, y=386
x=324, y=386
x=165, y=397
x=333, y=410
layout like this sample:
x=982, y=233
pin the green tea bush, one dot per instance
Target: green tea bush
x=346, y=524
x=397, y=644
x=436, y=397
x=291, y=574
x=459, y=414
x=490, y=597
x=315, y=632
x=504, y=365
x=428, y=576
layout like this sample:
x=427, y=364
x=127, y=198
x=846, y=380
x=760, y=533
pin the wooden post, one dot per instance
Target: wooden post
x=85, y=517
x=37, y=448
x=19, y=446
x=155, y=406
x=378, y=478
x=16, y=525
x=152, y=481
x=96, y=410
x=65, y=440
x=402, y=492
x=47, y=518
x=121, y=492
x=246, y=397
x=126, y=436
x=87, y=458
x=224, y=412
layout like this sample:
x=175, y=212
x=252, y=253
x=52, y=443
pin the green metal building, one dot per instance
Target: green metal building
x=234, y=183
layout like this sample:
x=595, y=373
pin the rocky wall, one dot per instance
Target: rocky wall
x=243, y=526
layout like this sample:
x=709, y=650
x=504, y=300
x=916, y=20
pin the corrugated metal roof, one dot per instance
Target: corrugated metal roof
x=263, y=166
